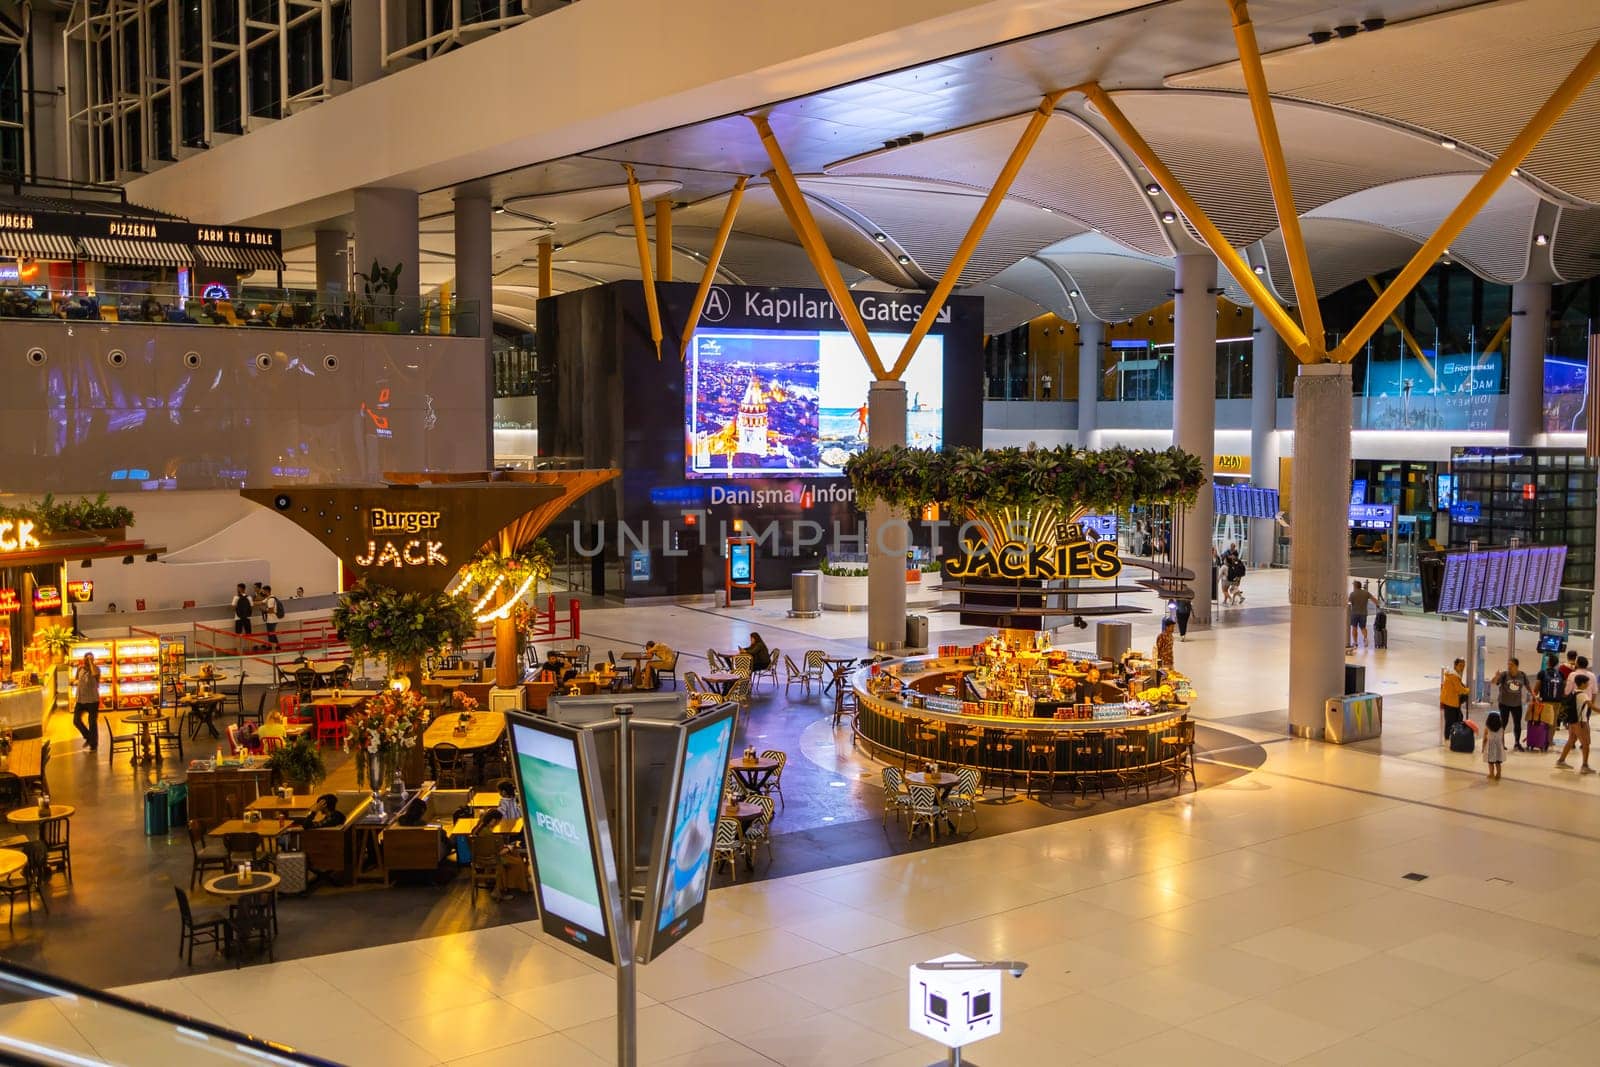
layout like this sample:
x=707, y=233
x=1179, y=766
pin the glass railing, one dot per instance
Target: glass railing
x=282, y=309
x=47, y=1020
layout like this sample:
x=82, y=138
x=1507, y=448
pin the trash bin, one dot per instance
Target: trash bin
x=1355, y=678
x=916, y=631
x=1112, y=640
x=805, y=592
x=155, y=812
x=177, y=805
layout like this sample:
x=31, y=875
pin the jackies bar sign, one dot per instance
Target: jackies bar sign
x=1074, y=554
x=124, y=229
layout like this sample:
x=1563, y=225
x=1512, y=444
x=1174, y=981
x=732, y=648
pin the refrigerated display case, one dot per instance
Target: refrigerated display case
x=130, y=669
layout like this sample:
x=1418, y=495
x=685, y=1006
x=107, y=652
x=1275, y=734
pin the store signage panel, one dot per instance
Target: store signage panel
x=80, y=590
x=168, y=230
x=1371, y=516
x=1016, y=561
x=16, y=535
x=9, y=604
x=47, y=598
x=565, y=826
x=680, y=871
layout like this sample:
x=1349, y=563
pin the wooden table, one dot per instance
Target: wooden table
x=227, y=885
x=638, y=659
x=485, y=800
x=456, y=674
x=267, y=829
x=11, y=861
x=29, y=818
x=192, y=702
x=754, y=775
x=146, y=740
x=27, y=758
x=484, y=730
x=942, y=783
x=467, y=827
x=836, y=665
x=344, y=702
x=721, y=681
x=270, y=804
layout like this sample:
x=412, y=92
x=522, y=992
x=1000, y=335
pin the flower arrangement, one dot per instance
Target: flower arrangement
x=391, y=720
x=464, y=703
x=400, y=628
x=1064, y=479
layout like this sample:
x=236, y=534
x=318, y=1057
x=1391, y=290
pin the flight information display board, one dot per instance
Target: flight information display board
x=1245, y=501
x=1499, y=577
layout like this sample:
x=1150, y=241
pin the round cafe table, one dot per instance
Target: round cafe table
x=146, y=739
x=12, y=861
x=944, y=781
x=227, y=885
x=837, y=666
x=721, y=681
x=28, y=818
x=755, y=774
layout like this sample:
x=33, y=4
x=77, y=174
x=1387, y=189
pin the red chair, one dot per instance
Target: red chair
x=288, y=703
x=329, y=726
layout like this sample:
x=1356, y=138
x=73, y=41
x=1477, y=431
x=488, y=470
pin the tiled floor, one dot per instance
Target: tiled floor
x=1266, y=919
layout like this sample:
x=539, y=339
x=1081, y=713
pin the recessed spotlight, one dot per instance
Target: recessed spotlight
x=1073, y=294
x=1447, y=251
x=1346, y=31
x=1153, y=189
x=1168, y=217
x=1050, y=210
x=903, y=259
x=1260, y=269
x=880, y=237
x=1541, y=239
x=1516, y=172
x=1447, y=143
x=499, y=209
x=1374, y=24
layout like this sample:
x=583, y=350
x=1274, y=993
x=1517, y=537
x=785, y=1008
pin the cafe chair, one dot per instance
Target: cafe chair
x=446, y=765
x=793, y=675
x=844, y=706
x=669, y=669
x=340, y=676
x=1039, y=747
x=253, y=923
x=305, y=683
x=1133, y=759
x=963, y=799
x=234, y=696
x=55, y=833
x=211, y=929
x=759, y=835
x=775, y=783
x=1002, y=746
x=202, y=715
x=961, y=744
x=485, y=864
x=260, y=714
x=207, y=857
x=581, y=654
x=12, y=795
x=1089, y=765
x=127, y=742
x=732, y=788
x=245, y=847
x=770, y=671
x=1179, y=745
x=741, y=664
x=815, y=668
x=714, y=660
x=923, y=806
x=25, y=883
x=895, y=799
x=924, y=739
x=169, y=730
x=739, y=691
x=693, y=684
x=726, y=846
x=329, y=727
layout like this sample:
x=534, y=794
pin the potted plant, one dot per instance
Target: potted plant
x=380, y=280
x=83, y=515
x=298, y=764
x=400, y=628
x=842, y=587
x=55, y=640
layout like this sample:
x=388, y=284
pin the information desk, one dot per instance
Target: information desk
x=888, y=725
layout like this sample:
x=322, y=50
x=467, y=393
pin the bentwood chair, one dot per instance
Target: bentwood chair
x=794, y=675
x=1133, y=759
x=962, y=743
x=213, y=929
x=56, y=835
x=895, y=799
x=446, y=765
x=775, y=783
x=925, y=810
x=669, y=669
x=1040, y=748
x=25, y=883
x=206, y=857
x=727, y=844
x=759, y=835
x=254, y=923
x=485, y=864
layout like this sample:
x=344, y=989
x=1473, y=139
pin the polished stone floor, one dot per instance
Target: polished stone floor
x=1382, y=903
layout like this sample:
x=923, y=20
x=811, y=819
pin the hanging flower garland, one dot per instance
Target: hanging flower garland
x=495, y=586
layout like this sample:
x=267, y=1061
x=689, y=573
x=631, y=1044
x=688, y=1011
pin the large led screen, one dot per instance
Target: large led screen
x=785, y=403
x=682, y=870
x=561, y=837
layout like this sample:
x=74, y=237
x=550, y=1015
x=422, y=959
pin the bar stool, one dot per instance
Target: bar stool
x=1133, y=759
x=1040, y=746
x=1089, y=761
x=924, y=738
x=1178, y=743
x=1003, y=746
x=961, y=741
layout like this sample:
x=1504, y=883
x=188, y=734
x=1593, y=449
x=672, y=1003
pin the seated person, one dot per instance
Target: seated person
x=661, y=658
x=249, y=739
x=324, y=813
x=415, y=813
x=760, y=654
x=508, y=808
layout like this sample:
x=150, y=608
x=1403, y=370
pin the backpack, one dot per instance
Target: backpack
x=1569, y=709
x=277, y=607
x=241, y=606
x=1462, y=738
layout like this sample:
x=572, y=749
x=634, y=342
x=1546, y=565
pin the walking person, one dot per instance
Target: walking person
x=86, y=701
x=1359, y=600
x=1579, y=705
x=1511, y=694
x=1181, y=610
x=1579, y=670
x=1453, y=694
x=1494, y=744
x=243, y=610
x=1235, y=578
x=271, y=612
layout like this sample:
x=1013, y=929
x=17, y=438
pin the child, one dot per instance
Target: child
x=1494, y=744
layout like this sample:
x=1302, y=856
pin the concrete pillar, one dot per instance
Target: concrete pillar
x=333, y=268
x=1091, y=336
x=1263, y=435
x=475, y=293
x=1194, y=410
x=386, y=232
x=1530, y=328
x=366, y=46
x=1319, y=559
x=886, y=530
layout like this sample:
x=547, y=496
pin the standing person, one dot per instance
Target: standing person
x=1359, y=599
x=1550, y=679
x=1580, y=670
x=1494, y=744
x=1575, y=715
x=243, y=610
x=1453, y=695
x=1181, y=610
x=1511, y=693
x=271, y=612
x=1235, y=567
x=1163, y=652
x=1568, y=667
x=86, y=701
x=1045, y=383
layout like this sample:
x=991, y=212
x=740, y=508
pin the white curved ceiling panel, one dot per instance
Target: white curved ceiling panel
x=1576, y=243
x=1116, y=287
x=1474, y=75
x=1003, y=309
x=760, y=215
x=1342, y=252
x=579, y=205
x=1495, y=244
x=1209, y=141
x=928, y=221
x=1030, y=277
x=1070, y=171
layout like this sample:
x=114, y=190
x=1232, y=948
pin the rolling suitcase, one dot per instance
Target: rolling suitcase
x=291, y=868
x=1380, y=630
x=1539, y=735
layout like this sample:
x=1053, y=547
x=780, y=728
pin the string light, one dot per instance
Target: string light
x=500, y=578
x=504, y=610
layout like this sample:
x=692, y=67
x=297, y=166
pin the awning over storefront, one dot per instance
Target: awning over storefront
x=239, y=259
x=36, y=246
x=136, y=253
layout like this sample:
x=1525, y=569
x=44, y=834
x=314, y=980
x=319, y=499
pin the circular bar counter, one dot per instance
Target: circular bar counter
x=917, y=725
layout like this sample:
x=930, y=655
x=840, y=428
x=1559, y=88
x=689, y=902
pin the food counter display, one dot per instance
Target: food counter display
x=130, y=669
x=987, y=704
x=23, y=707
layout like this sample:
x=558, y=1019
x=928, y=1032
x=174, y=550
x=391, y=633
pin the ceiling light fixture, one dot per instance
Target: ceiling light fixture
x=1447, y=144
x=1153, y=189
x=1541, y=239
x=1073, y=294
x=1373, y=24
x=499, y=209
x=1260, y=268
x=1168, y=217
x=1320, y=36
x=880, y=237
x=902, y=260
x=1346, y=31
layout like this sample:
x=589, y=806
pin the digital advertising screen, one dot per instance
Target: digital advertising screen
x=681, y=872
x=770, y=403
x=571, y=876
x=739, y=565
